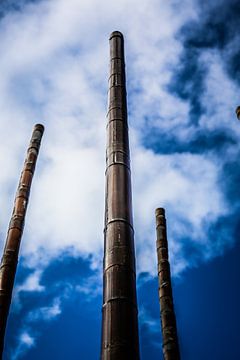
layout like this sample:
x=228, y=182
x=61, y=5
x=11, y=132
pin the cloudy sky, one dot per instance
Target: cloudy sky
x=183, y=80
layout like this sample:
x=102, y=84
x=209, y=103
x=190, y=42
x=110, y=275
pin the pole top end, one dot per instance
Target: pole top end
x=238, y=112
x=160, y=211
x=116, y=34
x=39, y=127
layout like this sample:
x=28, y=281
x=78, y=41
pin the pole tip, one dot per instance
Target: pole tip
x=116, y=34
x=160, y=211
x=39, y=127
x=238, y=112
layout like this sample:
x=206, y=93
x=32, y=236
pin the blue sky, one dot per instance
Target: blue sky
x=183, y=87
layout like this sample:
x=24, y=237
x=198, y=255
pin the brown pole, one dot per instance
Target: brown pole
x=10, y=254
x=168, y=320
x=119, y=313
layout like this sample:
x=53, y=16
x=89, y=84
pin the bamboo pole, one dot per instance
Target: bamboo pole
x=119, y=312
x=168, y=320
x=10, y=254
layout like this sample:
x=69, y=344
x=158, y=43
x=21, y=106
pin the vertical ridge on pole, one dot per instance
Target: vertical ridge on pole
x=168, y=320
x=9, y=260
x=119, y=312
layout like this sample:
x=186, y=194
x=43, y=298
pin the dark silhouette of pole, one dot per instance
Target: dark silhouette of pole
x=10, y=254
x=238, y=112
x=119, y=313
x=168, y=320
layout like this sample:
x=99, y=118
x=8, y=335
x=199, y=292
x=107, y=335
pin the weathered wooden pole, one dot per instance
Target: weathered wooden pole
x=168, y=320
x=119, y=313
x=10, y=254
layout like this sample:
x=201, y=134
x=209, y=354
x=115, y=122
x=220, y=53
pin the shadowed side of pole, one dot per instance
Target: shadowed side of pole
x=168, y=320
x=119, y=313
x=10, y=254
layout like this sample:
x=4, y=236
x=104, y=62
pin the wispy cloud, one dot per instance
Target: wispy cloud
x=46, y=313
x=26, y=341
x=32, y=283
x=55, y=77
x=42, y=298
x=182, y=92
x=54, y=68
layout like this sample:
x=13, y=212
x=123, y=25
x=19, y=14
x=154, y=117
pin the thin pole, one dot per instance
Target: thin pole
x=119, y=312
x=168, y=320
x=10, y=254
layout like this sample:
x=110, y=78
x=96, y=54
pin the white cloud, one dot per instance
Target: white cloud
x=53, y=69
x=182, y=184
x=91, y=286
x=46, y=313
x=26, y=341
x=32, y=283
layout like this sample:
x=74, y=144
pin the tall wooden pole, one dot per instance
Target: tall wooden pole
x=10, y=254
x=168, y=320
x=119, y=313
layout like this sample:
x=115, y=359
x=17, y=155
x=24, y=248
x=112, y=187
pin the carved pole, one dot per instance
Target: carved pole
x=168, y=320
x=119, y=313
x=10, y=254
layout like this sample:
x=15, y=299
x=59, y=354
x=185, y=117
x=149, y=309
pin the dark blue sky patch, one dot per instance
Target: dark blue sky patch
x=7, y=6
x=75, y=333
x=204, y=313
x=148, y=294
x=233, y=64
x=66, y=269
x=201, y=141
x=216, y=28
x=223, y=21
x=224, y=228
x=188, y=81
x=206, y=300
x=149, y=319
x=61, y=280
x=206, y=34
x=22, y=272
x=230, y=180
x=220, y=19
x=150, y=343
x=192, y=251
x=223, y=231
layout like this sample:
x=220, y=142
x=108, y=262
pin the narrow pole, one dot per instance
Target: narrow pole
x=168, y=320
x=119, y=312
x=10, y=254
